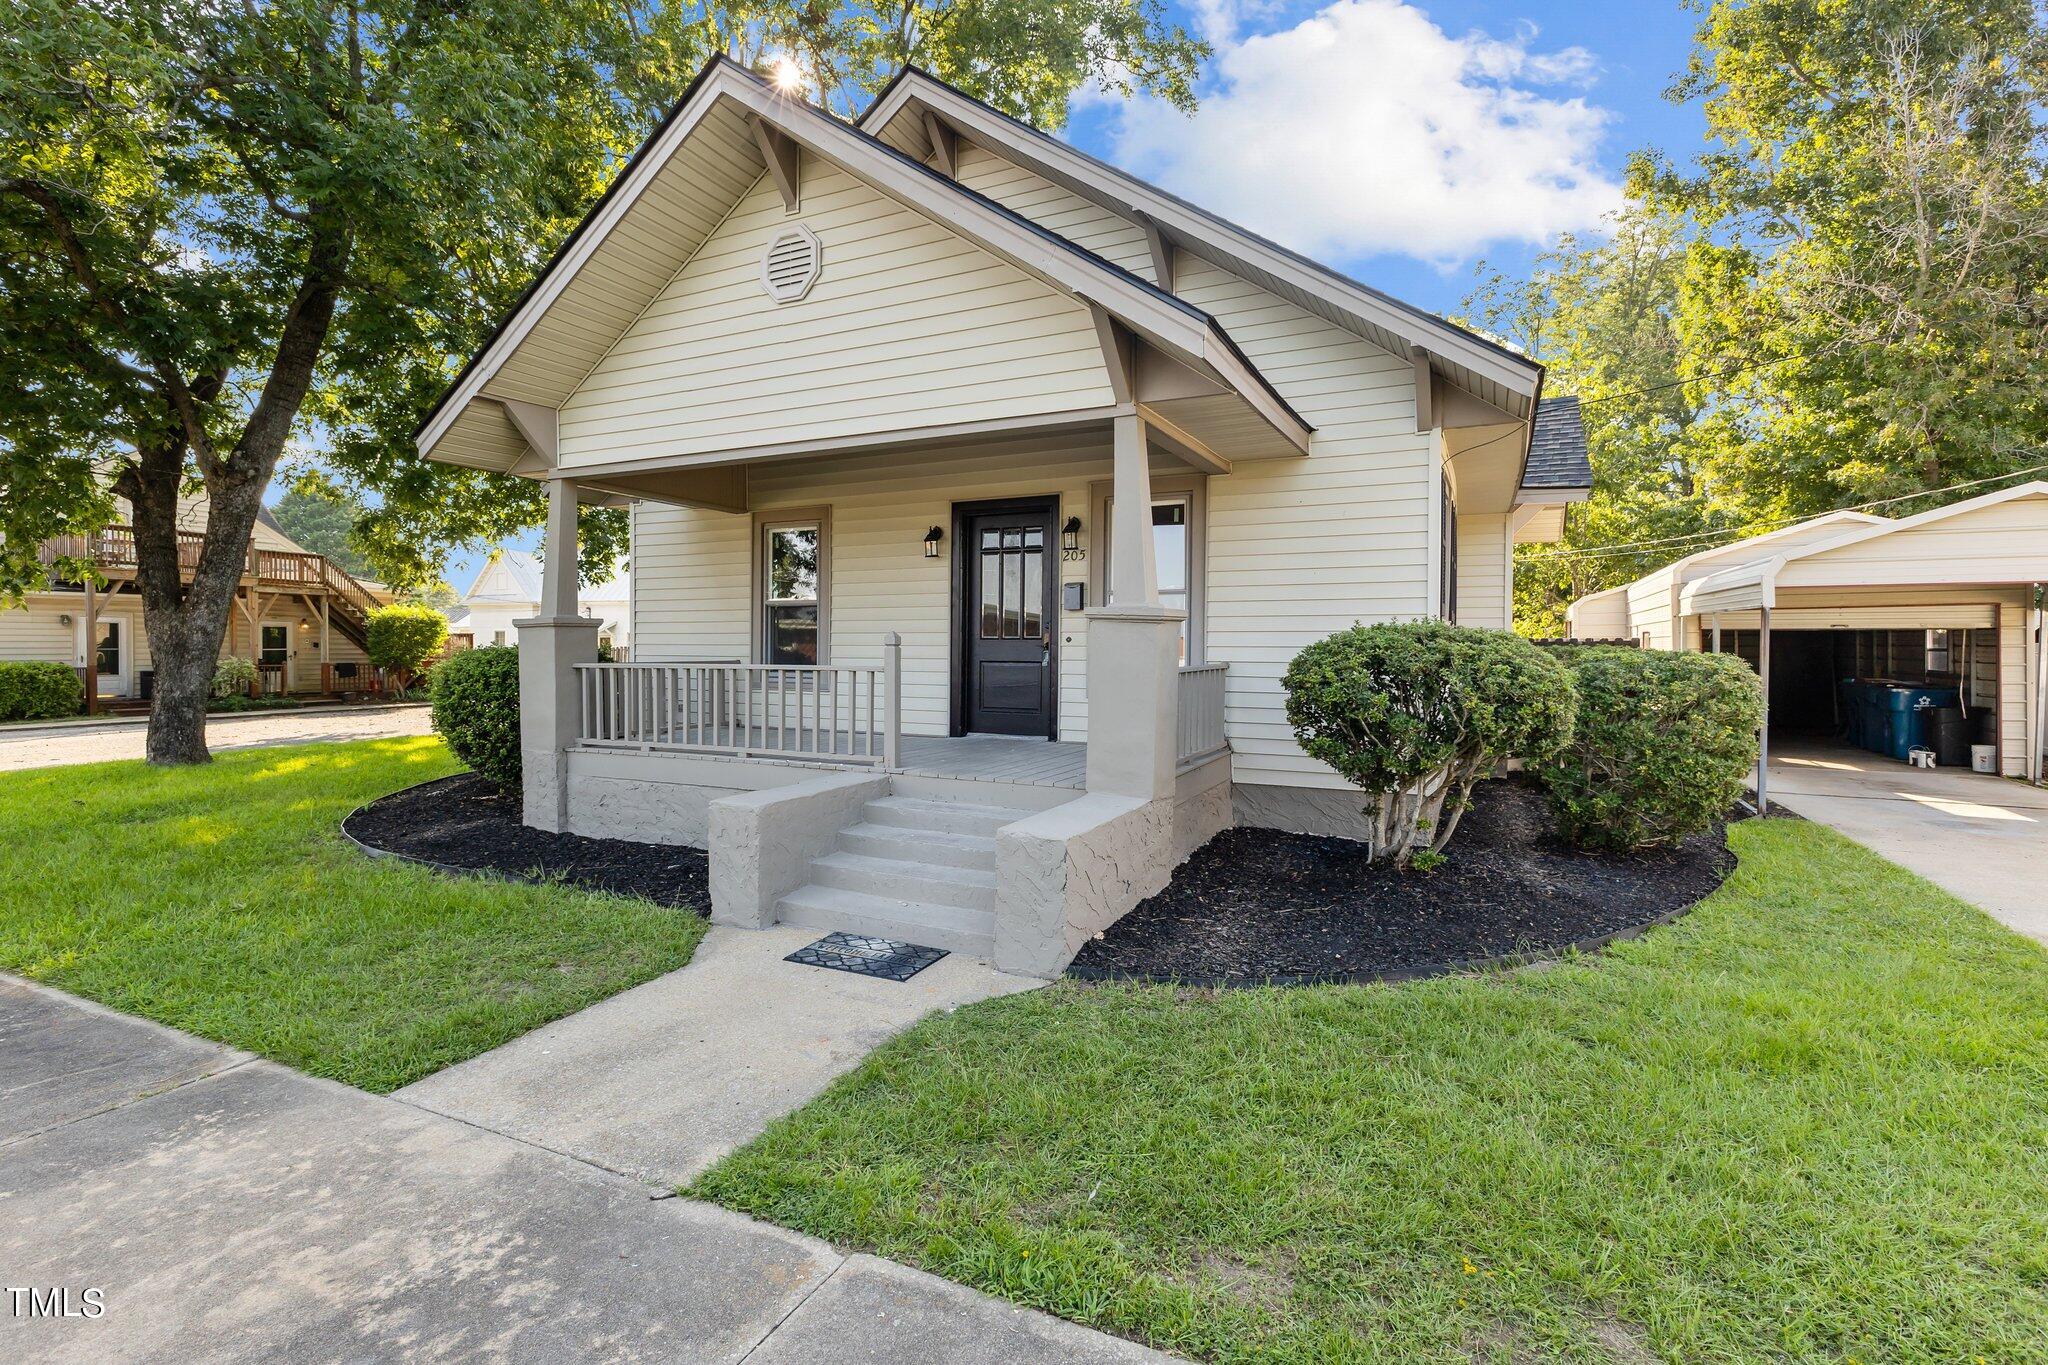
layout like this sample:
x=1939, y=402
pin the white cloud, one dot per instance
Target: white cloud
x=1367, y=128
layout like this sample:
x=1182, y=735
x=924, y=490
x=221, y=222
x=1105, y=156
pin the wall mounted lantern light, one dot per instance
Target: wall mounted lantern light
x=1070, y=539
x=931, y=542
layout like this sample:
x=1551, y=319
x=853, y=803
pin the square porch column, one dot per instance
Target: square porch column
x=1133, y=644
x=550, y=646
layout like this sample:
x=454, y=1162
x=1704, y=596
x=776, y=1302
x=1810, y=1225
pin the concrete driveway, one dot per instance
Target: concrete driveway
x=98, y=742
x=1983, y=838
x=226, y=1208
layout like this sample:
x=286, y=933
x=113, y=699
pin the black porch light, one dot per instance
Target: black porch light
x=931, y=542
x=1070, y=535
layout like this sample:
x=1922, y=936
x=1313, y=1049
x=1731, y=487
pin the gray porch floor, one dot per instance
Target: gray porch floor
x=996, y=758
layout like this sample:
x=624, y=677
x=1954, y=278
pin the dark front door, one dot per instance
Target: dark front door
x=1007, y=621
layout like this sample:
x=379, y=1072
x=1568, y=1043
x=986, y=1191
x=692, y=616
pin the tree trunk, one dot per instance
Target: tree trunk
x=186, y=622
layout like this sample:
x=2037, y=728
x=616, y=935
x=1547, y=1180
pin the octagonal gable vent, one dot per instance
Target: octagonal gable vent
x=790, y=265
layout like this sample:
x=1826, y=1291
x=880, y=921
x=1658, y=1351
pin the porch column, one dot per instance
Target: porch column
x=550, y=646
x=1763, y=738
x=1133, y=644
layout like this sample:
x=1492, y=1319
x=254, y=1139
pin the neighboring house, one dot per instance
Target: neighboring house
x=507, y=591
x=299, y=618
x=995, y=479
x=1952, y=595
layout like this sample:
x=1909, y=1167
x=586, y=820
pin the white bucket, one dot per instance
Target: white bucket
x=1983, y=758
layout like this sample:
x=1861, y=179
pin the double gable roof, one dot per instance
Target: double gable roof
x=730, y=127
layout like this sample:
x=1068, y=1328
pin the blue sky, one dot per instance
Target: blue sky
x=1403, y=142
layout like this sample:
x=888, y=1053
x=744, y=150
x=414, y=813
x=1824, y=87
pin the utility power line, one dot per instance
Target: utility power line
x=1755, y=528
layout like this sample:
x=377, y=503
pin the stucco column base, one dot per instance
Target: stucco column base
x=550, y=647
x=1133, y=696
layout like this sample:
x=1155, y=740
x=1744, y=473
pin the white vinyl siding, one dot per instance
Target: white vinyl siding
x=1485, y=571
x=31, y=631
x=1089, y=226
x=691, y=576
x=908, y=326
x=1300, y=548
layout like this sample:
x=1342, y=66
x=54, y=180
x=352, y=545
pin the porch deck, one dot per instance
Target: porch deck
x=997, y=758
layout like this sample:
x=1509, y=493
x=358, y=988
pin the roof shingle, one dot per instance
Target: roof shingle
x=1557, y=447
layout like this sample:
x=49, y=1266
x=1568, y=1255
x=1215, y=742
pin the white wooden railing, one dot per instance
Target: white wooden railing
x=1200, y=709
x=828, y=713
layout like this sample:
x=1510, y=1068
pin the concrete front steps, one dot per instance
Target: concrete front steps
x=913, y=868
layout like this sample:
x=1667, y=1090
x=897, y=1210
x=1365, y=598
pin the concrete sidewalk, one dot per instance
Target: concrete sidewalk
x=661, y=1081
x=230, y=1209
x=1982, y=838
x=54, y=746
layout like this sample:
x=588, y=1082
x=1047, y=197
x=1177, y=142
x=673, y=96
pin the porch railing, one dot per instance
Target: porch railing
x=828, y=713
x=1201, y=711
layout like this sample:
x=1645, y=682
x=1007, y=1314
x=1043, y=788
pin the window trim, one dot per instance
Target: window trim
x=1165, y=487
x=785, y=519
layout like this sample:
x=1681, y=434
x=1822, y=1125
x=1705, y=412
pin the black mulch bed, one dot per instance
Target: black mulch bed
x=1254, y=906
x=462, y=823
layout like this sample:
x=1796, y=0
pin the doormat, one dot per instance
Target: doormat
x=864, y=956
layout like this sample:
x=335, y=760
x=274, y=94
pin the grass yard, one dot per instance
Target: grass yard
x=224, y=900
x=1808, y=1121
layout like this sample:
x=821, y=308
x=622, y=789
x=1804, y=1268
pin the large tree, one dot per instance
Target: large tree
x=1603, y=317
x=1872, y=246
x=222, y=224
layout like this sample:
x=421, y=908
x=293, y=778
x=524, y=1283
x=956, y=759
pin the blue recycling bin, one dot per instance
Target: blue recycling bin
x=1905, y=719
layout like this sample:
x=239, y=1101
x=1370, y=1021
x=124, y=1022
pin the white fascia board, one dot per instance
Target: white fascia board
x=1074, y=169
x=593, y=236
x=1550, y=497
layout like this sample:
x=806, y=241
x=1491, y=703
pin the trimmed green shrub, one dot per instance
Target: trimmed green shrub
x=37, y=689
x=233, y=677
x=476, y=709
x=403, y=636
x=1663, y=744
x=1415, y=714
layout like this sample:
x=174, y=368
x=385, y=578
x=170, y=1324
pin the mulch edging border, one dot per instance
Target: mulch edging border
x=1421, y=972
x=539, y=873
x=497, y=874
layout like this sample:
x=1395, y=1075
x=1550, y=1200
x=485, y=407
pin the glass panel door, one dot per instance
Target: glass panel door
x=107, y=654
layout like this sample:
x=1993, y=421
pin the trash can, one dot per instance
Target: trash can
x=1948, y=734
x=1906, y=710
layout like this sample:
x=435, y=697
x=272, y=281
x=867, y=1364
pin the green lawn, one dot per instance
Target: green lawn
x=225, y=901
x=1808, y=1121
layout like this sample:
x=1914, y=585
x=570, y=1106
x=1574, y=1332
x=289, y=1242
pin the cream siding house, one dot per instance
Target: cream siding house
x=297, y=616
x=1953, y=594
x=980, y=495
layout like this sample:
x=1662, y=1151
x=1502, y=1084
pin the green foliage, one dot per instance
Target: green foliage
x=220, y=900
x=404, y=635
x=320, y=515
x=1603, y=316
x=39, y=690
x=1663, y=743
x=1870, y=246
x=1415, y=713
x=233, y=676
x=476, y=710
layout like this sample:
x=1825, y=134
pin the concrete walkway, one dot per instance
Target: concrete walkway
x=660, y=1081
x=230, y=1209
x=53, y=746
x=1983, y=838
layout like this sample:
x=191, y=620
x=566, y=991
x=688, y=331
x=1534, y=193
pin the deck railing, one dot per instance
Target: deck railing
x=113, y=547
x=1201, y=711
x=828, y=713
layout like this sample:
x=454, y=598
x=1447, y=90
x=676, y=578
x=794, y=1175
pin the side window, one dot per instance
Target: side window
x=789, y=579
